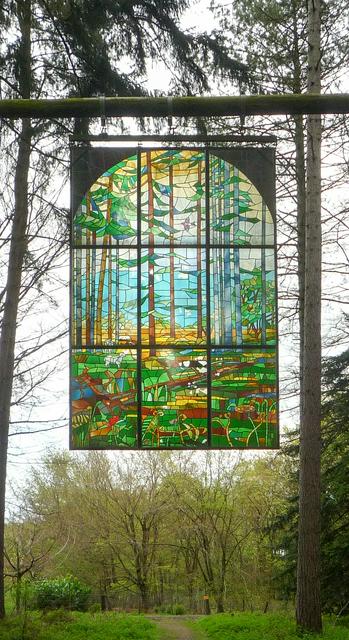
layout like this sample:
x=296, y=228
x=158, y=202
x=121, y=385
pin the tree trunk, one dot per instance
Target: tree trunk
x=78, y=297
x=88, y=277
x=301, y=194
x=144, y=594
x=227, y=293
x=99, y=307
x=215, y=310
x=221, y=583
x=172, y=267
x=207, y=607
x=18, y=248
x=151, y=267
x=103, y=599
x=308, y=611
x=184, y=107
x=191, y=595
x=8, y=332
x=18, y=593
x=92, y=338
x=103, y=267
x=110, y=277
x=301, y=206
x=199, y=261
x=236, y=254
x=220, y=603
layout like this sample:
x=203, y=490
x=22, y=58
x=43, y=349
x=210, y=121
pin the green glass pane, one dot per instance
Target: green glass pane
x=145, y=300
x=173, y=197
x=238, y=214
x=243, y=399
x=174, y=398
x=173, y=290
x=242, y=285
x=108, y=212
x=104, y=398
x=104, y=297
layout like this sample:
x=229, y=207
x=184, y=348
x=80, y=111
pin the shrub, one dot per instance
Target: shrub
x=65, y=593
x=162, y=608
x=95, y=607
x=58, y=616
x=178, y=610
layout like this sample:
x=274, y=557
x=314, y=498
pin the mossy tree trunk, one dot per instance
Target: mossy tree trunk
x=184, y=107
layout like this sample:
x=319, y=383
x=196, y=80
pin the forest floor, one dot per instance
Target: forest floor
x=65, y=625
x=177, y=627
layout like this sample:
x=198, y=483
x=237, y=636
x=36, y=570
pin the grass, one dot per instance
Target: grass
x=254, y=626
x=63, y=625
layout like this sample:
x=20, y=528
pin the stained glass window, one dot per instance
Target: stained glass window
x=173, y=321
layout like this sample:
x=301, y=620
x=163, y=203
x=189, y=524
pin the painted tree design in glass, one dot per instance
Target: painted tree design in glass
x=173, y=319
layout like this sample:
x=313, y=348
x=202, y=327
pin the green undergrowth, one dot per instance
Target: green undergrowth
x=254, y=626
x=63, y=625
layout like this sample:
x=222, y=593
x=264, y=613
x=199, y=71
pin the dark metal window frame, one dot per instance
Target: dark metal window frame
x=207, y=346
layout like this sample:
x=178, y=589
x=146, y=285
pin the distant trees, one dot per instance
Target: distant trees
x=26, y=551
x=213, y=528
x=80, y=56
x=308, y=602
x=154, y=533
x=77, y=51
x=291, y=47
x=275, y=49
x=164, y=223
x=334, y=494
x=157, y=531
x=335, y=490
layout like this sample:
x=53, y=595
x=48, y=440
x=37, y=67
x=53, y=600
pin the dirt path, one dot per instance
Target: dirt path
x=176, y=627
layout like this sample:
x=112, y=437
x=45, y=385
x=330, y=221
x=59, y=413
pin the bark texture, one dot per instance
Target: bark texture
x=301, y=208
x=308, y=576
x=151, y=282
x=8, y=332
x=18, y=247
x=181, y=107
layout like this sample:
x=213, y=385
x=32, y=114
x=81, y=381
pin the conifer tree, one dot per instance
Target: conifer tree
x=283, y=48
x=81, y=49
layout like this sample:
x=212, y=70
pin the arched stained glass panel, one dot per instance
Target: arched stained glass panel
x=174, y=303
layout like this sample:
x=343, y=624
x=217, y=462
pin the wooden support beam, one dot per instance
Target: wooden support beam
x=177, y=106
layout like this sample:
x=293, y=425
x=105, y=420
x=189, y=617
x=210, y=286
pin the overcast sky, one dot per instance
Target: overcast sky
x=53, y=402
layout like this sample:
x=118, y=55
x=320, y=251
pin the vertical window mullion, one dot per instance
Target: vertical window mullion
x=237, y=256
x=139, y=304
x=208, y=300
x=264, y=281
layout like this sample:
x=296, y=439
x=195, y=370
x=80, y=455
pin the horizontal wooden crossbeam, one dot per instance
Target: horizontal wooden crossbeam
x=176, y=106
